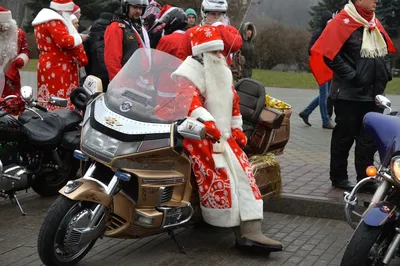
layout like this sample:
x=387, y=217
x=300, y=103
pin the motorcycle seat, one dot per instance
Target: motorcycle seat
x=69, y=118
x=47, y=132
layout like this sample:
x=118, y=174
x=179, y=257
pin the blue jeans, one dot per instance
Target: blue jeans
x=321, y=101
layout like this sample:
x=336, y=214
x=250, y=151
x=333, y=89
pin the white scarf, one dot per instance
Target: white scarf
x=373, y=44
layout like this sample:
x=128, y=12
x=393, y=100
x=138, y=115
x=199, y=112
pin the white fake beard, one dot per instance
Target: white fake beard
x=219, y=94
x=8, y=41
x=67, y=16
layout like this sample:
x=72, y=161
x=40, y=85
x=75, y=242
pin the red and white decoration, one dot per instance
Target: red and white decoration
x=76, y=9
x=61, y=55
x=14, y=52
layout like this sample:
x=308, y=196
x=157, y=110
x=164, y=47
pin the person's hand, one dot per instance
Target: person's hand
x=213, y=131
x=84, y=37
x=239, y=137
x=18, y=63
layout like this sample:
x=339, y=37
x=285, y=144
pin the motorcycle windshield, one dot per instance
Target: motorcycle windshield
x=144, y=91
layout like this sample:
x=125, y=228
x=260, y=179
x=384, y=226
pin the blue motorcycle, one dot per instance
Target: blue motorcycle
x=376, y=238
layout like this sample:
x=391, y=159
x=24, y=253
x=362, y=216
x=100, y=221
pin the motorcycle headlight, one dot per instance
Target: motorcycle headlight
x=395, y=167
x=99, y=142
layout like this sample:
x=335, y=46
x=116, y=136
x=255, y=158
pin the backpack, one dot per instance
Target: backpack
x=238, y=61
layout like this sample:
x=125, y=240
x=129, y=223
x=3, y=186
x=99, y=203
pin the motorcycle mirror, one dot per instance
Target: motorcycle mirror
x=192, y=129
x=92, y=85
x=27, y=94
x=382, y=101
x=58, y=101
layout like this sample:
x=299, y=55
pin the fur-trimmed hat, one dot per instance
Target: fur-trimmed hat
x=206, y=39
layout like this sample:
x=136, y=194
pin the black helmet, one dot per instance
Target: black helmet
x=174, y=19
x=126, y=3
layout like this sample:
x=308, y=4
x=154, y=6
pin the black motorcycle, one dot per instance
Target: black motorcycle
x=36, y=149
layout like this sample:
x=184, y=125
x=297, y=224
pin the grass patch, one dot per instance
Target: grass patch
x=32, y=66
x=303, y=80
x=278, y=79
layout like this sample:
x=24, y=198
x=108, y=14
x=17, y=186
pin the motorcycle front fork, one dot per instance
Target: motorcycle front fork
x=110, y=190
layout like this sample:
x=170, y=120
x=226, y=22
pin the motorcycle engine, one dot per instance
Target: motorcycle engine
x=14, y=177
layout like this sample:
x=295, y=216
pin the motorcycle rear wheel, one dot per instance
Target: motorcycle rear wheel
x=362, y=242
x=49, y=183
x=54, y=226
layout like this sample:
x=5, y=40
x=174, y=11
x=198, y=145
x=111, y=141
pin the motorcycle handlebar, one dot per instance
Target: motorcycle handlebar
x=38, y=106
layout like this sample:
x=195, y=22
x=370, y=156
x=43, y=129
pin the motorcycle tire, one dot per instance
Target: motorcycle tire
x=360, y=245
x=49, y=188
x=58, y=216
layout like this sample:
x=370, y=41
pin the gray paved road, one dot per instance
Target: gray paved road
x=307, y=241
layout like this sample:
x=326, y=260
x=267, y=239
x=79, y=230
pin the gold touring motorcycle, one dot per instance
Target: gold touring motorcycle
x=137, y=181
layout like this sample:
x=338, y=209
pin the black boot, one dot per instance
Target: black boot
x=250, y=237
x=304, y=116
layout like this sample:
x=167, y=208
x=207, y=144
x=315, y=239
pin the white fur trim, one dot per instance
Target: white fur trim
x=73, y=17
x=216, y=45
x=218, y=23
x=62, y=7
x=219, y=147
x=24, y=57
x=203, y=114
x=5, y=16
x=244, y=205
x=46, y=15
x=77, y=39
x=219, y=160
x=76, y=11
x=237, y=122
x=193, y=71
x=179, y=31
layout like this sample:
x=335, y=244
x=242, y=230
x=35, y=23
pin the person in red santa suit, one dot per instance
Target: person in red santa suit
x=229, y=196
x=213, y=13
x=61, y=52
x=124, y=36
x=14, y=53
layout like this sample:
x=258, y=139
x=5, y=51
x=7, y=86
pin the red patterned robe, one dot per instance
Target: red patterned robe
x=61, y=55
x=227, y=187
x=13, y=86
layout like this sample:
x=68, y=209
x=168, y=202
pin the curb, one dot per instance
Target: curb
x=305, y=205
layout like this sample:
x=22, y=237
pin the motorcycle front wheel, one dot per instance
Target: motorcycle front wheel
x=51, y=246
x=367, y=245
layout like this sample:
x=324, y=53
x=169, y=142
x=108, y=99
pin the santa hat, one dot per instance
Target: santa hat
x=62, y=5
x=76, y=9
x=164, y=11
x=5, y=15
x=206, y=39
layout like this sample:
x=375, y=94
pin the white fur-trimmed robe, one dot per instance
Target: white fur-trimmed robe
x=227, y=188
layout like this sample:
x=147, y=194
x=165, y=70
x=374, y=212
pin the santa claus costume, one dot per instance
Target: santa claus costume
x=61, y=52
x=14, y=53
x=229, y=196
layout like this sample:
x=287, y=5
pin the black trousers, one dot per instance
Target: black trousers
x=349, y=128
x=329, y=104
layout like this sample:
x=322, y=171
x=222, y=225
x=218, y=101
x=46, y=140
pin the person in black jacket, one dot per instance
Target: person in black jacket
x=358, y=55
x=249, y=33
x=94, y=48
x=322, y=98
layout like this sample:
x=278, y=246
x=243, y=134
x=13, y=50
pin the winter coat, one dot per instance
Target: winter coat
x=356, y=78
x=248, y=46
x=94, y=47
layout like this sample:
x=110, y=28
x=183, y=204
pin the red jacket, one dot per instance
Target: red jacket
x=113, y=47
x=170, y=43
x=230, y=35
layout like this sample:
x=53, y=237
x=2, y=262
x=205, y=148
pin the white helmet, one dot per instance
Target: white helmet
x=213, y=6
